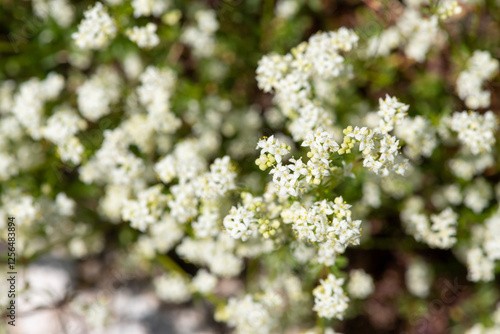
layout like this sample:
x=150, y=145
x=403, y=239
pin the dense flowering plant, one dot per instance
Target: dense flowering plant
x=299, y=166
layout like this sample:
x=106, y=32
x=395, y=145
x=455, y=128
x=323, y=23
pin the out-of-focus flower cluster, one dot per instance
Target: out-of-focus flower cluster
x=141, y=140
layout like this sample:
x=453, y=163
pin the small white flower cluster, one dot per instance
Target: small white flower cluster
x=217, y=253
x=146, y=209
x=421, y=34
x=218, y=181
x=250, y=315
x=150, y=7
x=162, y=235
x=61, y=129
x=418, y=278
x=480, y=267
x=286, y=9
x=172, y=288
x=144, y=37
x=113, y=163
x=360, y=284
x=439, y=232
x=330, y=300
x=61, y=11
x=65, y=206
x=477, y=195
x=467, y=166
x=476, y=132
x=417, y=34
x=272, y=150
x=25, y=208
x=185, y=163
x=480, y=68
x=201, y=38
x=391, y=112
x=379, y=149
x=29, y=102
x=448, y=8
x=204, y=282
x=289, y=77
x=97, y=94
x=289, y=179
x=485, y=250
x=382, y=45
x=96, y=29
x=157, y=86
x=314, y=225
x=419, y=137
x=240, y=223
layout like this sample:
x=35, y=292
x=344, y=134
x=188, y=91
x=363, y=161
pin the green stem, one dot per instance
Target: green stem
x=170, y=265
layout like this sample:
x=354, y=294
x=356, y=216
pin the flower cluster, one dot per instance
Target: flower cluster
x=96, y=30
x=475, y=131
x=158, y=147
x=99, y=93
x=480, y=68
x=314, y=225
x=201, y=38
x=144, y=37
x=484, y=250
x=60, y=11
x=379, y=149
x=330, y=300
x=149, y=7
x=413, y=32
x=439, y=232
x=289, y=77
x=391, y=113
x=360, y=284
x=248, y=314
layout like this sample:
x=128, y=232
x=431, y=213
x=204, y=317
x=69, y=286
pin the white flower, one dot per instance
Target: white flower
x=330, y=300
x=477, y=195
x=204, y=282
x=144, y=37
x=97, y=94
x=240, y=223
x=71, y=150
x=202, y=36
x=418, y=278
x=476, y=132
x=96, y=29
x=391, y=112
x=62, y=125
x=65, y=205
x=480, y=67
x=360, y=284
x=286, y=9
x=448, y=8
x=150, y=7
x=172, y=288
x=480, y=267
x=146, y=210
